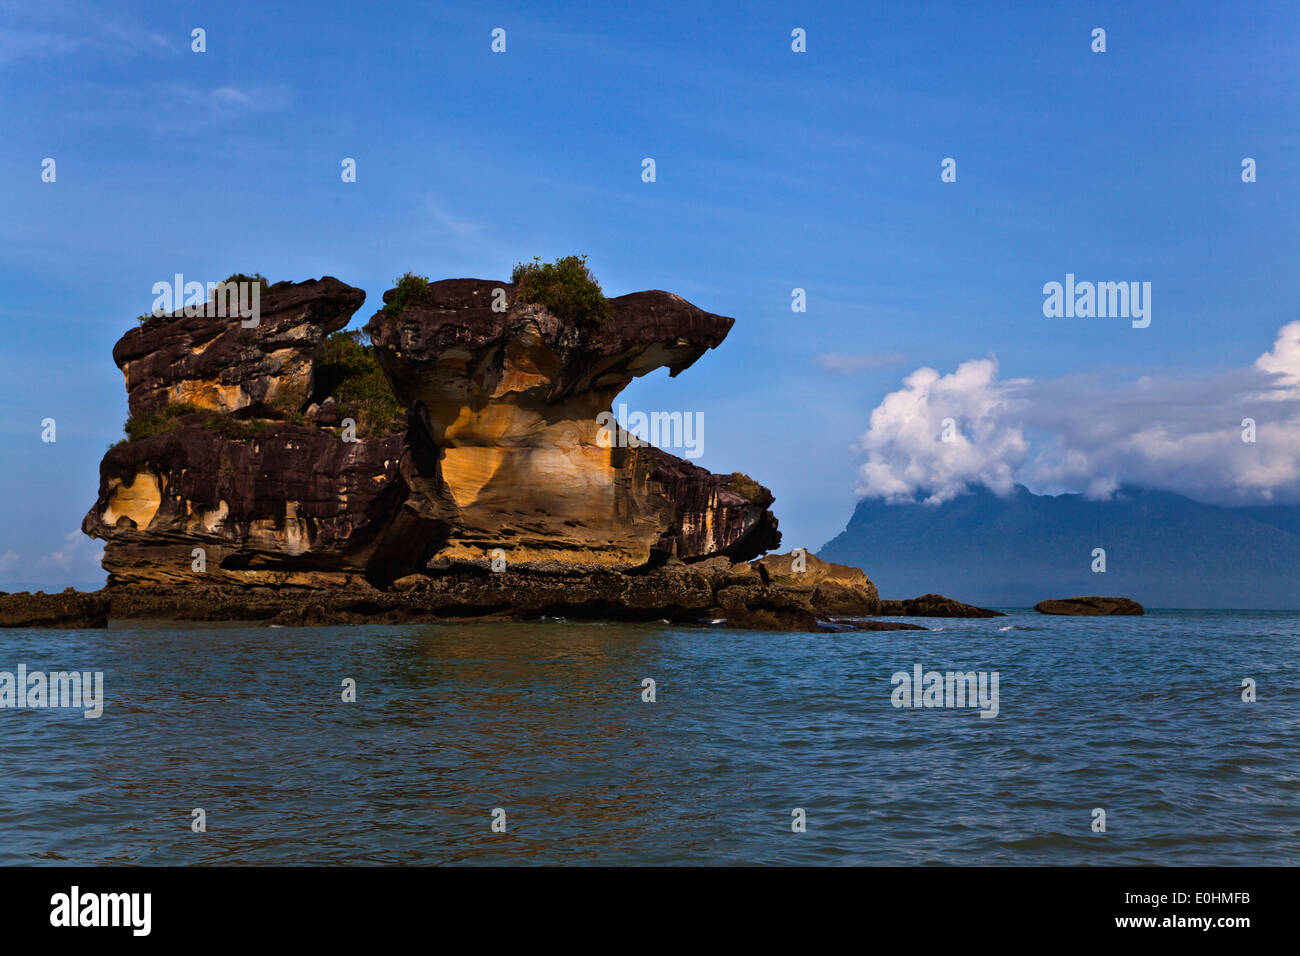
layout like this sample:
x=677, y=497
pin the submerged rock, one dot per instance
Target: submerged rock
x=856, y=624
x=766, y=609
x=934, y=605
x=1091, y=606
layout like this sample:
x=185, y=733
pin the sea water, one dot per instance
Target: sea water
x=546, y=729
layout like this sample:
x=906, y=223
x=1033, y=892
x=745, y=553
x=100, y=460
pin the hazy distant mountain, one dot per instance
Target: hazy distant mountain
x=1162, y=549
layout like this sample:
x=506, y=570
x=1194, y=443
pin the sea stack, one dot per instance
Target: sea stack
x=460, y=465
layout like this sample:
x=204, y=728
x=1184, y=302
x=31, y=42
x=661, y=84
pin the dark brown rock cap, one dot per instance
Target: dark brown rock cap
x=168, y=352
x=636, y=318
x=644, y=318
x=325, y=302
x=459, y=313
x=1094, y=606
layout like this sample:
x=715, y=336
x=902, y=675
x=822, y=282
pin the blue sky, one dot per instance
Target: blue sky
x=775, y=170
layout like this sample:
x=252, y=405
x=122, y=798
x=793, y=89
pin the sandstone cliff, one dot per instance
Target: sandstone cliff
x=511, y=401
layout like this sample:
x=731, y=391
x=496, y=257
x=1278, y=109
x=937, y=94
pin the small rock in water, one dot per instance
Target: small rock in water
x=1090, y=606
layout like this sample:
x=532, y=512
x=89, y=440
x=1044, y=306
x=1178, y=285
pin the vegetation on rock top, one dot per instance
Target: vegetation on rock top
x=410, y=291
x=744, y=486
x=565, y=287
x=256, y=277
x=178, y=311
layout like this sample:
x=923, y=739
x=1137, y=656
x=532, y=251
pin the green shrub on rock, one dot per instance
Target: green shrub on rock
x=410, y=292
x=348, y=371
x=155, y=423
x=565, y=287
x=255, y=279
x=744, y=485
x=167, y=419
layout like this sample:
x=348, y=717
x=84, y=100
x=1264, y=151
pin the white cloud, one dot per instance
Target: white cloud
x=849, y=364
x=906, y=453
x=79, y=553
x=462, y=226
x=1092, y=433
x=35, y=32
x=1283, y=360
x=256, y=99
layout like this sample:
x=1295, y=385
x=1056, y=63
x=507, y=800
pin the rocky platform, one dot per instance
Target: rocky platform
x=70, y=609
x=713, y=592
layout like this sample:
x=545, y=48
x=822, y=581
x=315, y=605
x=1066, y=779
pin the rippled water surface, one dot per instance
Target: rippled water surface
x=1140, y=716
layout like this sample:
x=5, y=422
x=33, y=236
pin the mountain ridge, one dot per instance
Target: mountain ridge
x=1162, y=549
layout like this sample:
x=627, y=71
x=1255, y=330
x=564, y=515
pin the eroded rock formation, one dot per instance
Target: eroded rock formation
x=236, y=468
x=512, y=400
x=217, y=363
x=243, y=480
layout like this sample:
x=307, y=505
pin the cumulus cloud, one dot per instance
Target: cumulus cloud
x=938, y=434
x=1283, y=361
x=1091, y=433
